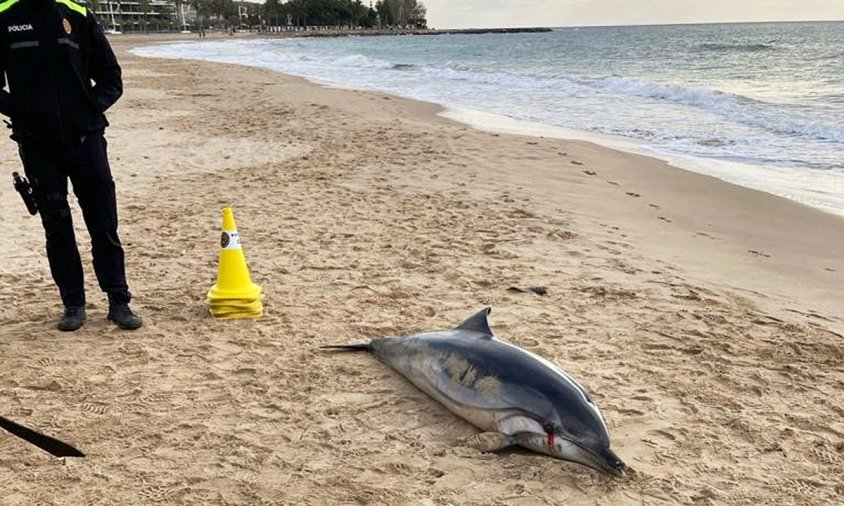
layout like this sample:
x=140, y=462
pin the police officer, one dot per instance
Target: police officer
x=50, y=52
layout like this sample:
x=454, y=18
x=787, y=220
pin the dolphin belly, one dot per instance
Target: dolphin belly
x=428, y=374
x=463, y=383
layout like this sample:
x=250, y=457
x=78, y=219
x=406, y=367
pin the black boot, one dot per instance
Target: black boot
x=73, y=318
x=122, y=315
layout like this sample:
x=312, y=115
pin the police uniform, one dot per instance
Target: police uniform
x=50, y=51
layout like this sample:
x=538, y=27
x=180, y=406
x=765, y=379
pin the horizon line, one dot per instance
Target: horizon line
x=690, y=23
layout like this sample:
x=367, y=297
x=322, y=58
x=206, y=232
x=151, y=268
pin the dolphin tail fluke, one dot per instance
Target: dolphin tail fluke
x=348, y=347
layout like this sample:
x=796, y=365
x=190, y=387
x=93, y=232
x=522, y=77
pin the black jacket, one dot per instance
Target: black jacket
x=50, y=51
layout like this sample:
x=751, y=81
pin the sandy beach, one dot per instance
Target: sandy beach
x=706, y=319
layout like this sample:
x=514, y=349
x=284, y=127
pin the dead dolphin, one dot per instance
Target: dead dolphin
x=515, y=396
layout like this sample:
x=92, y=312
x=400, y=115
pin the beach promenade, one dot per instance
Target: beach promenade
x=706, y=319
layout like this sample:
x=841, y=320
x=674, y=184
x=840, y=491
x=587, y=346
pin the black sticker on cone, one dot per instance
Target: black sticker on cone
x=224, y=240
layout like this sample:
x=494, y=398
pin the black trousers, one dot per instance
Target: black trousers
x=85, y=162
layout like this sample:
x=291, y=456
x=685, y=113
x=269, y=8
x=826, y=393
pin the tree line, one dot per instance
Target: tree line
x=345, y=13
x=301, y=13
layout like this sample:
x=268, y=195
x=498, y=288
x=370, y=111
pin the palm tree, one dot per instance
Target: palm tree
x=145, y=7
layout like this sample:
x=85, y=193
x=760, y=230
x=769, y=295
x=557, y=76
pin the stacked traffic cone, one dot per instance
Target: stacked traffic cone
x=234, y=295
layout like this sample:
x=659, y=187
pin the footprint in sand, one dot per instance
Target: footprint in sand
x=659, y=438
x=152, y=398
x=575, y=162
x=97, y=409
x=654, y=206
x=590, y=172
x=565, y=235
x=47, y=362
x=613, y=183
x=630, y=412
x=246, y=371
x=758, y=253
x=157, y=494
x=633, y=194
x=663, y=218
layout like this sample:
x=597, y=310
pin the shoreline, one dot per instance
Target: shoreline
x=697, y=313
x=722, y=170
x=771, y=179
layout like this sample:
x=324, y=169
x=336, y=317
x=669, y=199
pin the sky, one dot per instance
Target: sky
x=554, y=13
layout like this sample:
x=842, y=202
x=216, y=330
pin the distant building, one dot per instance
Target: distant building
x=160, y=15
x=129, y=15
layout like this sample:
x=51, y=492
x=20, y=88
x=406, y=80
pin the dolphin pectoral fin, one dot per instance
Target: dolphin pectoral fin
x=490, y=441
x=478, y=323
x=348, y=347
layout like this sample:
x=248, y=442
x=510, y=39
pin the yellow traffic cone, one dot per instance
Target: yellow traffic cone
x=234, y=295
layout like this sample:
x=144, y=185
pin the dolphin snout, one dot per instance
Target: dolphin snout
x=600, y=458
x=612, y=463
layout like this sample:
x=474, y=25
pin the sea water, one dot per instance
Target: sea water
x=761, y=105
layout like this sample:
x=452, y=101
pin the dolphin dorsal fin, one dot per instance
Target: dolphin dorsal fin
x=478, y=323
